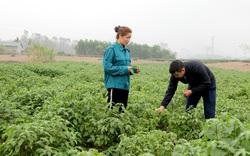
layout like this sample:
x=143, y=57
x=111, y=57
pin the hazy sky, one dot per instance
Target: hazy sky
x=189, y=27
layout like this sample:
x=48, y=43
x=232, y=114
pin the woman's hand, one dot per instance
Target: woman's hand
x=137, y=70
x=130, y=68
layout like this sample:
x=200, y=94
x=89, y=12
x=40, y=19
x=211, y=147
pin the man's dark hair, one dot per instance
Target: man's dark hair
x=176, y=66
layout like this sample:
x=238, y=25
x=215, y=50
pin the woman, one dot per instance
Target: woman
x=117, y=67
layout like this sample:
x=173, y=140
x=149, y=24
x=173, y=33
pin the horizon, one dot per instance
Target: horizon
x=190, y=28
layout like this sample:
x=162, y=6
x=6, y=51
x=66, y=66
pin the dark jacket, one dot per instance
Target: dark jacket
x=197, y=75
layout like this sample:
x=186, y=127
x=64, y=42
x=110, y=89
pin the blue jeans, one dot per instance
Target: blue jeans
x=209, y=101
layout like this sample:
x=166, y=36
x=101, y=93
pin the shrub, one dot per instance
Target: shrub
x=39, y=53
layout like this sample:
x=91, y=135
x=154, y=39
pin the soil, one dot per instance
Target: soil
x=241, y=66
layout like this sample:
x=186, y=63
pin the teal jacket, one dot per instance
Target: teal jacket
x=115, y=63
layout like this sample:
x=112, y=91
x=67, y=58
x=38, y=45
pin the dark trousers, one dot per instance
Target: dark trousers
x=209, y=101
x=116, y=96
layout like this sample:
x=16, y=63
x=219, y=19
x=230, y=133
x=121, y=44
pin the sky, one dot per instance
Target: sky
x=191, y=28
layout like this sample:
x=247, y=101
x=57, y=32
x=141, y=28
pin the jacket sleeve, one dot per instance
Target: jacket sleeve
x=109, y=64
x=170, y=91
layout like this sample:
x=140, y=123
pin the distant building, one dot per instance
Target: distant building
x=13, y=47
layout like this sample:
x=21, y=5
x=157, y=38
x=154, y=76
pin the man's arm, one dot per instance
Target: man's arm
x=170, y=91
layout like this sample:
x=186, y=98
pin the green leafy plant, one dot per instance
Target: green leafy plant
x=155, y=142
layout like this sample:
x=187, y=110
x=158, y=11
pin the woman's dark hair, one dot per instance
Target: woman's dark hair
x=176, y=66
x=122, y=30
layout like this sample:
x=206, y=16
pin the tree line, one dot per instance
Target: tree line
x=138, y=51
x=91, y=48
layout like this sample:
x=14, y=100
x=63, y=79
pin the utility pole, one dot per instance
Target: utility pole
x=207, y=49
x=212, y=45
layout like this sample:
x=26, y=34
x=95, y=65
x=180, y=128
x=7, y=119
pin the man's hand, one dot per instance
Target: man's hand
x=160, y=108
x=187, y=93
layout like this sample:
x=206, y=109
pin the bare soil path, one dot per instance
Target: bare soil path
x=241, y=66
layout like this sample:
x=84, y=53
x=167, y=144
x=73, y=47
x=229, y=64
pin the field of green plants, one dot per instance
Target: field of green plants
x=60, y=109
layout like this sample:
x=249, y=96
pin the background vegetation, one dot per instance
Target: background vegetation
x=39, y=53
x=89, y=48
x=138, y=51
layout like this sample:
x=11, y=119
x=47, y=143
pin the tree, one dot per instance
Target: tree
x=24, y=40
x=99, y=50
x=245, y=48
x=40, y=53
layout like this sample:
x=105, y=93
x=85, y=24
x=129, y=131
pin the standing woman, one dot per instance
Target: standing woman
x=117, y=67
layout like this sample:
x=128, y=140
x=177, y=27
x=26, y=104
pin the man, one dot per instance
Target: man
x=201, y=83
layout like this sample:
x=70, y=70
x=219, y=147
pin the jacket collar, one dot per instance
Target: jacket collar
x=120, y=46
